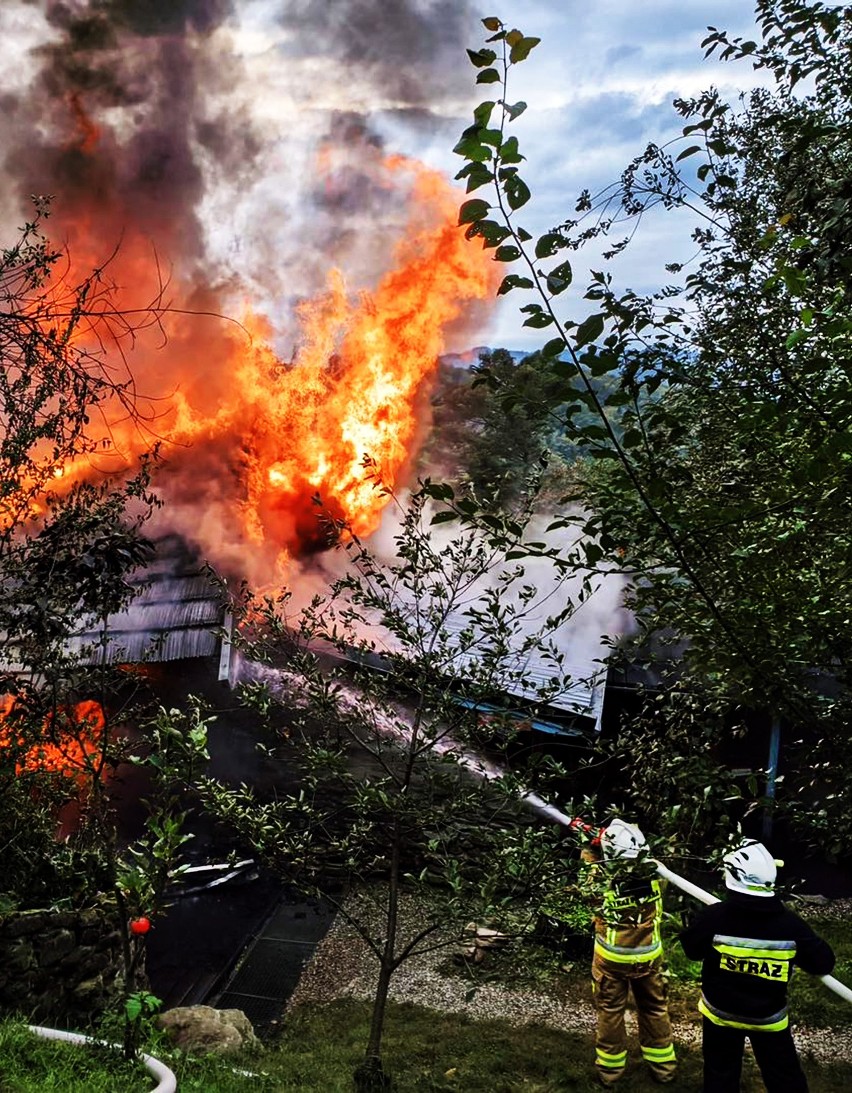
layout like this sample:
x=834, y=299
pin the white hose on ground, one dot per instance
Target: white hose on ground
x=167, y=1080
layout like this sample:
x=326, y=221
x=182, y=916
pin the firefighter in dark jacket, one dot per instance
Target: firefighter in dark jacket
x=749, y=944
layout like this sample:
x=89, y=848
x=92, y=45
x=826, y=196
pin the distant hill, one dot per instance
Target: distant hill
x=466, y=360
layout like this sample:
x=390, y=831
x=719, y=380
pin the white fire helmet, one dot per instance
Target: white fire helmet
x=751, y=869
x=622, y=840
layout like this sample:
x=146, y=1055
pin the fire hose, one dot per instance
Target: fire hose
x=166, y=1081
x=576, y=824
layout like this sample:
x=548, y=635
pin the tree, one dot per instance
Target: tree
x=502, y=397
x=389, y=670
x=70, y=539
x=62, y=345
x=719, y=464
x=472, y=418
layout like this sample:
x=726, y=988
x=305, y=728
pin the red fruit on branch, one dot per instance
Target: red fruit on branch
x=139, y=926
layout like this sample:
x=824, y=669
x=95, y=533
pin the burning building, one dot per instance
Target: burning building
x=289, y=274
x=295, y=279
x=240, y=178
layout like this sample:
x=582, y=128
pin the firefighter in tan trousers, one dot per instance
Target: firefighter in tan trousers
x=628, y=956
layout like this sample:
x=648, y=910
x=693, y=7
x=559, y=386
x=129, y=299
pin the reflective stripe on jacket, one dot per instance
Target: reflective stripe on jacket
x=775, y=1023
x=628, y=931
x=762, y=957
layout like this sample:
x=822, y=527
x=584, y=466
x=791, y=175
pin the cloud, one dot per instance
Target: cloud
x=624, y=52
x=599, y=87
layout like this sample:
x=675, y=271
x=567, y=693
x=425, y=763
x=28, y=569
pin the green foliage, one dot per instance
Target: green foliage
x=538, y=402
x=675, y=756
x=387, y=669
x=66, y=553
x=129, y=1025
x=718, y=469
x=69, y=542
x=52, y=379
x=140, y=1005
x=175, y=752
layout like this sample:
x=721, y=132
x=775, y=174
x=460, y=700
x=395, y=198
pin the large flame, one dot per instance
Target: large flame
x=342, y=419
x=346, y=265
x=339, y=420
x=334, y=427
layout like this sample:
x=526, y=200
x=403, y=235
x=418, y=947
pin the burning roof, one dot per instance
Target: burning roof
x=177, y=613
x=341, y=260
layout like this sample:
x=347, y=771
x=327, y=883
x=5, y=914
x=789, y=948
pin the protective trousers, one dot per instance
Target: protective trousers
x=611, y=986
x=774, y=1052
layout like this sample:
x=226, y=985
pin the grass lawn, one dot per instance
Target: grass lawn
x=811, y=1003
x=30, y=1063
x=320, y=1046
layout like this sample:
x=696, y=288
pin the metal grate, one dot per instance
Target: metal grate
x=268, y=973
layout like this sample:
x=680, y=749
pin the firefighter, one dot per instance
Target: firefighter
x=628, y=957
x=749, y=944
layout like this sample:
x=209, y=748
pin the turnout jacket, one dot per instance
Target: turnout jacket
x=749, y=946
x=627, y=927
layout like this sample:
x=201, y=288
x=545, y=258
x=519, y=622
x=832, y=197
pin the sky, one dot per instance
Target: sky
x=599, y=86
x=268, y=82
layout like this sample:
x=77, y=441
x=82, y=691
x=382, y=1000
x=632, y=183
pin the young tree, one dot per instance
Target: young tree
x=719, y=463
x=65, y=552
x=389, y=670
x=70, y=540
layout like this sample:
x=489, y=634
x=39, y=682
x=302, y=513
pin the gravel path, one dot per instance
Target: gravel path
x=342, y=967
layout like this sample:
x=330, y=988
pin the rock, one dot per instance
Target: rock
x=87, y=992
x=23, y=923
x=55, y=945
x=483, y=938
x=18, y=956
x=208, y=1031
x=488, y=939
x=815, y=900
x=84, y=960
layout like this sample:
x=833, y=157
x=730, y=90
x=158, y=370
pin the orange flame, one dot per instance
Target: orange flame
x=70, y=739
x=350, y=397
x=251, y=440
x=87, y=132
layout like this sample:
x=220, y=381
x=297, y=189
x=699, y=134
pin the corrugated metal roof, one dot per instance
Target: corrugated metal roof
x=529, y=676
x=174, y=615
x=125, y=647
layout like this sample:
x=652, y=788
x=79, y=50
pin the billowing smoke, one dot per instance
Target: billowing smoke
x=235, y=152
x=238, y=138
x=114, y=122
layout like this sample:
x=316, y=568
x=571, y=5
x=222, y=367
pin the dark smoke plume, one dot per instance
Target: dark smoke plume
x=235, y=150
x=409, y=50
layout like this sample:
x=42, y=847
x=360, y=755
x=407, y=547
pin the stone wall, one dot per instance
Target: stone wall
x=59, y=965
